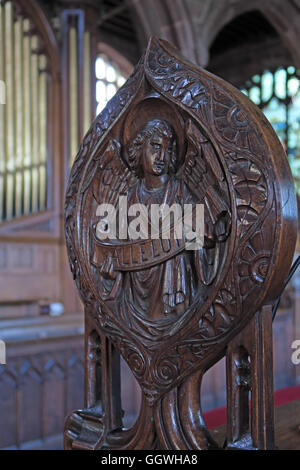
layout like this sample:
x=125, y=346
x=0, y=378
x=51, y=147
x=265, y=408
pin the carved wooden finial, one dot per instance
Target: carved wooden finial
x=175, y=134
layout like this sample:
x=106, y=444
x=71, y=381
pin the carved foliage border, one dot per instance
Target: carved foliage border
x=245, y=157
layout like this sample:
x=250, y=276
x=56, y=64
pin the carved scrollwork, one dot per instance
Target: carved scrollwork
x=167, y=371
x=233, y=124
x=136, y=362
x=250, y=188
x=253, y=265
x=175, y=314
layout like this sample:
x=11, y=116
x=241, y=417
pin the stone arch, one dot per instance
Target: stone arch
x=168, y=20
x=284, y=22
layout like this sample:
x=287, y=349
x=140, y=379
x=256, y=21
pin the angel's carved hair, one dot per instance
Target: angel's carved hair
x=163, y=129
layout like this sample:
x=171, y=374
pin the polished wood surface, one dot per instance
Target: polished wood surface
x=33, y=267
x=176, y=133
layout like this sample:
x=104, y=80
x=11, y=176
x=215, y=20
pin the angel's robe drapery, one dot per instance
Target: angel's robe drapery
x=168, y=288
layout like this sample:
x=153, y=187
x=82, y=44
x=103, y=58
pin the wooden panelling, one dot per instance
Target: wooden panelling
x=8, y=400
x=29, y=271
x=41, y=382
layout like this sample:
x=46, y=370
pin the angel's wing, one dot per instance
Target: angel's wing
x=203, y=174
x=112, y=181
x=114, y=177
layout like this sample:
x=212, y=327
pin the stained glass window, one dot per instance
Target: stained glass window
x=277, y=94
x=109, y=80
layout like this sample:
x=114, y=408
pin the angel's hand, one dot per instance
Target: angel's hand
x=107, y=269
x=222, y=227
x=209, y=236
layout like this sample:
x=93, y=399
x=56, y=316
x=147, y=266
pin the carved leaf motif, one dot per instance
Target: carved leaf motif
x=252, y=194
x=246, y=215
x=229, y=130
x=251, y=199
x=250, y=189
x=244, y=170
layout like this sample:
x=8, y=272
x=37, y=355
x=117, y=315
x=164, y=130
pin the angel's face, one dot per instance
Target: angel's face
x=156, y=155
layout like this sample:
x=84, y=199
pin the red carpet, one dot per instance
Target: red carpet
x=217, y=417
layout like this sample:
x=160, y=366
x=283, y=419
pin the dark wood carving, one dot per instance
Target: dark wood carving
x=175, y=133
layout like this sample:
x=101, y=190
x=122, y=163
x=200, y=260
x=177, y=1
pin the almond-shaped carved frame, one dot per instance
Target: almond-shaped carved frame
x=169, y=366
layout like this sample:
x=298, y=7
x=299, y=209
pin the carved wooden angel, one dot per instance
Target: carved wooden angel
x=176, y=134
x=161, y=277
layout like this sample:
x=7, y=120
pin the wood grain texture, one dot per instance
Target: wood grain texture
x=169, y=312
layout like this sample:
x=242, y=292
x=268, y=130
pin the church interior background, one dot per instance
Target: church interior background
x=61, y=61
